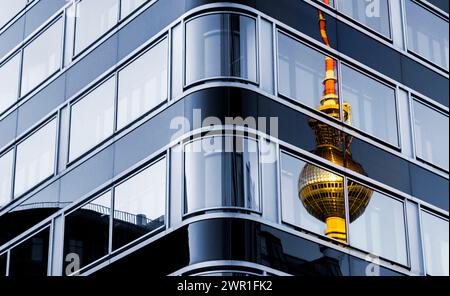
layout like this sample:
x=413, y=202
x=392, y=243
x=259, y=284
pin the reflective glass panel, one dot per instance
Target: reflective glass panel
x=373, y=14
x=128, y=6
x=300, y=206
x=30, y=258
x=9, y=82
x=35, y=160
x=86, y=233
x=42, y=57
x=220, y=45
x=92, y=119
x=94, y=18
x=10, y=8
x=221, y=172
x=301, y=71
x=380, y=228
x=6, y=170
x=431, y=130
x=372, y=105
x=435, y=239
x=142, y=84
x=427, y=34
x=139, y=204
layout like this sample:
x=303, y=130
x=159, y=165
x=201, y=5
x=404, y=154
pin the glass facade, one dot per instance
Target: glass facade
x=435, y=240
x=221, y=172
x=221, y=45
x=383, y=221
x=142, y=84
x=373, y=14
x=139, y=204
x=92, y=119
x=9, y=82
x=431, y=135
x=94, y=18
x=42, y=57
x=35, y=158
x=372, y=105
x=10, y=9
x=301, y=71
x=84, y=126
x=6, y=172
x=427, y=34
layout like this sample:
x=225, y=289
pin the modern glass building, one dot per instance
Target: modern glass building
x=203, y=137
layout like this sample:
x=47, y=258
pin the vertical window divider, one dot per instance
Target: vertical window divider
x=397, y=119
x=276, y=72
x=167, y=159
x=422, y=246
x=346, y=208
x=51, y=229
x=116, y=100
x=279, y=176
x=111, y=220
x=257, y=48
x=8, y=258
x=13, y=176
x=413, y=128
x=405, y=218
x=57, y=139
x=340, y=91
x=169, y=63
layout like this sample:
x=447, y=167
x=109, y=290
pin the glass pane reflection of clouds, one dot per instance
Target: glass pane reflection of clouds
x=436, y=244
x=381, y=229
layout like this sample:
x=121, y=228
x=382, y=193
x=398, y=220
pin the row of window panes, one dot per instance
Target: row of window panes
x=34, y=162
x=380, y=229
x=223, y=171
x=42, y=56
x=142, y=85
x=139, y=205
x=427, y=33
x=372, y=103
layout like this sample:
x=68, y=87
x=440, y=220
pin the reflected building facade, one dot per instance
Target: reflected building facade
x=197, y=137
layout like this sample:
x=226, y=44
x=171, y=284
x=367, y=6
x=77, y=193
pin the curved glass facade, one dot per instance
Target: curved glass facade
x=221, y=45
x=220, y=172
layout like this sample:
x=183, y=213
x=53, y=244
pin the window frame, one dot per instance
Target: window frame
x=424, y=210
x=388, y=38
x=370, y=76
x=184, y=213
x=19, y=55
x=186, y=20
x=53, y=117
x=10, y=198
x=54, y=21
x=130, y=61
x=407, y=49
x=73, y=53
x=83, y=95
x=405, y=222
x=416, y=99
x=5, y=26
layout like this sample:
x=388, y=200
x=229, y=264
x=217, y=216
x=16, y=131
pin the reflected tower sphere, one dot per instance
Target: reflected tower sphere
x=320, y=191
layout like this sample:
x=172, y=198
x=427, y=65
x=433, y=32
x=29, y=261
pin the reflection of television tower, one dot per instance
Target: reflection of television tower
x=322, y=192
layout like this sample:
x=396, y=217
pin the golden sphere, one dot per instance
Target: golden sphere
x=322, y=192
